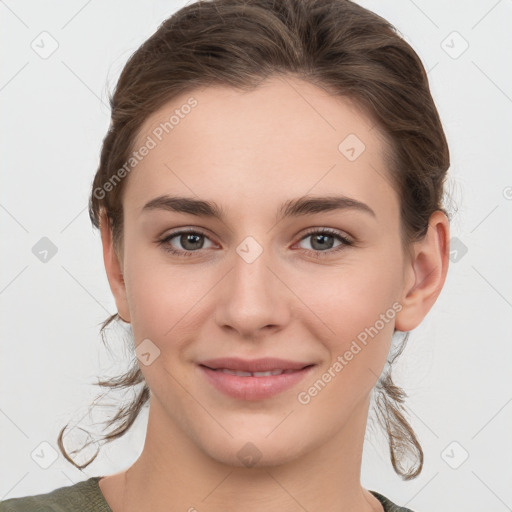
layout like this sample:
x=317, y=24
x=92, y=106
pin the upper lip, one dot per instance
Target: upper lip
x=264, y=364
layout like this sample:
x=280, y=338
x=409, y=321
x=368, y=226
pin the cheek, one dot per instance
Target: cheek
x=353, y=298
x=163, y=297
x=358, y=305
x=339, y=304
x=358, y=350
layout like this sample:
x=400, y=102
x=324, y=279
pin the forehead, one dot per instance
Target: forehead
x=286, y=137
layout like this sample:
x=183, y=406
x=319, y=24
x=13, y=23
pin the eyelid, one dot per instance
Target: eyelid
x=345, y=239
x=331, y=231
x=183, y=231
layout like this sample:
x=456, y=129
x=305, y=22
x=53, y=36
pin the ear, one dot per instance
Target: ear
x=114, y=268
x=426, y=273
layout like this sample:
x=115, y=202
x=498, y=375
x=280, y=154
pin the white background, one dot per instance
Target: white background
x=456, y=369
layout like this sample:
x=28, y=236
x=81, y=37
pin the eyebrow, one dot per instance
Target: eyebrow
x=292, y=208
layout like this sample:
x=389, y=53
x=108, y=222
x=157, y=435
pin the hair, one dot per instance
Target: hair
x=334, y=44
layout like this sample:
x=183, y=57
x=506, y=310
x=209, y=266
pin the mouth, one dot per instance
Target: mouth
x=251, y=374
x=257, y=379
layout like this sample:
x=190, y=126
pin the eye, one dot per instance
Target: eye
x=322, y=241
x=190, y=241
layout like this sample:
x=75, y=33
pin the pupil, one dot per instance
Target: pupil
x=190, y=238
x=322, y=239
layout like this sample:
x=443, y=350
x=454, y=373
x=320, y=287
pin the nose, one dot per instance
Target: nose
x=253, y=299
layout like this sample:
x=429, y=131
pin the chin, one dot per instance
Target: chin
x=257, y=440
x=253, y=451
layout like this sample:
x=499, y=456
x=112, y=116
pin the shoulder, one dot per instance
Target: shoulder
x=81, y=497
x=387, y=504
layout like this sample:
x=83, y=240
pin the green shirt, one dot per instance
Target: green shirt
x=86, y=496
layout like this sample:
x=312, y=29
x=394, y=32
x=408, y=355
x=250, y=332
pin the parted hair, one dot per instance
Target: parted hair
x=334, y=44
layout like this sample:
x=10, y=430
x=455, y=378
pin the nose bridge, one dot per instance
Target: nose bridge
x=251, y=267
x=253, y=298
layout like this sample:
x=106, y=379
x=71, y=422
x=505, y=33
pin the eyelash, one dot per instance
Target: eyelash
x=318, y=254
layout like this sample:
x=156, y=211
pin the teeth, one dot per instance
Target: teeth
x=233, y=372
x=254, y=374
x=266, y=374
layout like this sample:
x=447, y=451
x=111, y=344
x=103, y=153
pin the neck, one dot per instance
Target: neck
x=173, y=473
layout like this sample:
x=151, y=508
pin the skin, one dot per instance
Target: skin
x=249, y=152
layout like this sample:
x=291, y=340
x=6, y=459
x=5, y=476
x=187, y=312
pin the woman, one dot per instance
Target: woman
x=269, y=198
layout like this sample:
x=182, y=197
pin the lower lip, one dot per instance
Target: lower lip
x=253, y=388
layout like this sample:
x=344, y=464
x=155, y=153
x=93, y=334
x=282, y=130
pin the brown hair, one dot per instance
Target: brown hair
x=334, y=44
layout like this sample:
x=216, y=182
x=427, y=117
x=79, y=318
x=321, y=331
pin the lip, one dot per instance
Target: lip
x=263, y=364
x=251, y=387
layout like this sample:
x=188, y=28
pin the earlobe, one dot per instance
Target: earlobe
x=426, y=274
x=113, y=268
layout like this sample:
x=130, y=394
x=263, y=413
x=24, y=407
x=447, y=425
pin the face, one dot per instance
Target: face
x=255, y=272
